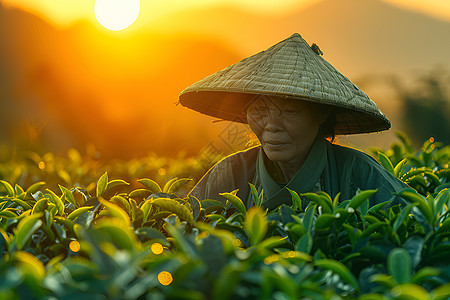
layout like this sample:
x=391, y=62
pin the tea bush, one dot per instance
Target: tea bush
x=143, y=240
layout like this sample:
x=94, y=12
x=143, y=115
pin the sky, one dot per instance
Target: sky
x=67, y=12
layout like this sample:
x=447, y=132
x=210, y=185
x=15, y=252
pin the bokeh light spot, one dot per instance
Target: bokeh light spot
x=157, y=248
x=165, y=278
x=74, y=246
x=236, y=242
x=162, y=172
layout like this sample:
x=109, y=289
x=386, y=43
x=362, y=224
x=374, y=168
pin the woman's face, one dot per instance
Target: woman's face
x=286, y=128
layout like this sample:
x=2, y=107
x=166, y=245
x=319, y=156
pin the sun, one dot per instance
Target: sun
x=116, y=14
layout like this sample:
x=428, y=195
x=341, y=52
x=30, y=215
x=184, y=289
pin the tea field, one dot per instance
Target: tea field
x=75, y=228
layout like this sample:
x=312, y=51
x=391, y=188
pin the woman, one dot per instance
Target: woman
x=292, y=100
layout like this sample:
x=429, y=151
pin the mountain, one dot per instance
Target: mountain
x=358, y=37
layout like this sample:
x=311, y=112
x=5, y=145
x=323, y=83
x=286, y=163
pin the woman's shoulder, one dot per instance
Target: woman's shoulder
x=230, y=173
x=240, y=159
x=345, y=154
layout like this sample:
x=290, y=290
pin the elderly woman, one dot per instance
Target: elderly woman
x=293, y=100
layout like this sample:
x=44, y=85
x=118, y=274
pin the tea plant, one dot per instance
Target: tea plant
x=121, y=240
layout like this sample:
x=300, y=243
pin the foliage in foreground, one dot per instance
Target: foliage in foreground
x=115, y=243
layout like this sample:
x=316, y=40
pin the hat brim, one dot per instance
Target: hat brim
x=231, y=106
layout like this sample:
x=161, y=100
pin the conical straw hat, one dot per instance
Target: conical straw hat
x=290, y=69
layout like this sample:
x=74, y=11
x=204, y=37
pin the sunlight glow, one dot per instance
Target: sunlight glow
x=117, y=14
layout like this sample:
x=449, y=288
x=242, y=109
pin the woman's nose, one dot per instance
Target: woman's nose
x=273, y=122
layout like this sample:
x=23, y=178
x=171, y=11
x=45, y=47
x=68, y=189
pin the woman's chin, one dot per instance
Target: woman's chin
x=276, y=153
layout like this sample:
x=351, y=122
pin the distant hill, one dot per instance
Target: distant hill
x=358, y=37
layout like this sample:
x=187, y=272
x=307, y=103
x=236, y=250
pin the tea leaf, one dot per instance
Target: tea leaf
x=26, y=228
x=102, y=184
x=73, y=215
x=339, y=269
x=57, y=201
x=386, y=162
x=296, y=201
x=115, y=211
x=8, y=188
x=151, y=185
x=320, y=200
x=255, y=224
x=177, y=184
x=235, y=200
x=399, y=265
x=30, y=265
x=175, y=207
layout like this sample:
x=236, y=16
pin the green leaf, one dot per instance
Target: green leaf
x=424, y=274
x=399, y=265
x=29, y=265
x=174, y=207
x=414, y=245
x=122, y=202
x=441, y=292
x=319, y=200
x=195, y=206
x=442, y=198
x=102, y=184
x=118, y=232
x=255, y=224
x=272, y=242
x=35, y=187
x=399, y=167
x=235, y=200
x=79, y=211
x=18, y=190
x=177, y=184
x=146, y=208
x=115, y=211
x=409, y=291
x=26, y=228
x=169, y=184
x=67, y=195
x=114, y=187
x=386, y=162
x=378, y=206
x=383, y=279
x=40, y=206
x=8, y=188
x=305, y=243
x=324, y=221
x=359, y=199
x=22, y=203
x=339, y=269
x=423, y=206
x=308, y=218
x=403, y=214
x=255, y=194
x=336, y=201
x=151, y=185
x=57, y=201
x=8, y=213
x=140, y=194
x=296, y=200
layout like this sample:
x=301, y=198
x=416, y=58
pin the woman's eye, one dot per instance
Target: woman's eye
x=289, y=113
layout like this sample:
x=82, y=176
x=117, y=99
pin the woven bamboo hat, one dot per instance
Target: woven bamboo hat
x=291, y=69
